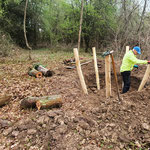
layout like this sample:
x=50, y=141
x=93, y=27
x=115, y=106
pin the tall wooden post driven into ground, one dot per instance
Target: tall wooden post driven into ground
x=145, y=78
x=127, y=49
x=108, y=76
x=96, y=68
x=78, y=65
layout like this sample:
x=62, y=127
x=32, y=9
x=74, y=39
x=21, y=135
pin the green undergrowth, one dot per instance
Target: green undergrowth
x=19, y=64
x=41, y=56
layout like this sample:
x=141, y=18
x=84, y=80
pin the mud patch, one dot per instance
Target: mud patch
x=84, y=121
x=92, y=86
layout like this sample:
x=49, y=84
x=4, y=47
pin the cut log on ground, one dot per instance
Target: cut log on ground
x=4, y=99
x=45, y=71
x=29, y=102
x=41, y=102
x=33, y=72
x=49, y=102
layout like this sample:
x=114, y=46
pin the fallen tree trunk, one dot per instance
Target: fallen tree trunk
x=42, y=102
x=4, y=99
x=45, y=71
x=49, y=102
x=33, y=72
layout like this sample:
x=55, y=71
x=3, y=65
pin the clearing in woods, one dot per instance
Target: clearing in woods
x=87, y=122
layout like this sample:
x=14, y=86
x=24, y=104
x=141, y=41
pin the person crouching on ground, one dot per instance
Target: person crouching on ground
x=128, y=63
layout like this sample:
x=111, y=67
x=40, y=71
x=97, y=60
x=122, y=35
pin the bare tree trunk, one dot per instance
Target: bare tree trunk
x=25, y=36
x=144, y=8
x=124, y=8
x=81, y=20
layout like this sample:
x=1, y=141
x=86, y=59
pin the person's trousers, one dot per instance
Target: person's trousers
x=126, y=81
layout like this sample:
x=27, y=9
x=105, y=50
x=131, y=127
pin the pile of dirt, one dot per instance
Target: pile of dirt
x=86, y=122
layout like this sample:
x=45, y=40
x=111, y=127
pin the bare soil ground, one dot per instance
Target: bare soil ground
x=84, y=122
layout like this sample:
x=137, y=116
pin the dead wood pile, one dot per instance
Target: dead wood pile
x=38, y=71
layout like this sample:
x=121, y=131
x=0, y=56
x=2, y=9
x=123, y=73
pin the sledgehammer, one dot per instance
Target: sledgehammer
x=114, y=69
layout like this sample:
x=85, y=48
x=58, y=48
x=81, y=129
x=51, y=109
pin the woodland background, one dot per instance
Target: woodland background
x=84, y=122
x=107, y=24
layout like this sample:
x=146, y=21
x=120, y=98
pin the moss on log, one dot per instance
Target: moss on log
x=49, y=102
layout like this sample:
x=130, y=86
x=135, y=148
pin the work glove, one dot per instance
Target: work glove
x=148, y=62
x=136, y=66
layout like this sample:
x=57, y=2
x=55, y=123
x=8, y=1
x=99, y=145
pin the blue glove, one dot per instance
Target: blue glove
x=136, y=66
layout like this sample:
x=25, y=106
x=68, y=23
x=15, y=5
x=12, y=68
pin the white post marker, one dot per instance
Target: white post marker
x=127, y=49
x=145, y=78
x=80, y=71
x=96, y=68
x=108, y=76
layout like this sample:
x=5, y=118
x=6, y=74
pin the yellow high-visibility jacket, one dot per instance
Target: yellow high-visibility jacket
x=129, y=60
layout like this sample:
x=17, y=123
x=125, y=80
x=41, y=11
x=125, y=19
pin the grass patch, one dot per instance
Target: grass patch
x=43, y=56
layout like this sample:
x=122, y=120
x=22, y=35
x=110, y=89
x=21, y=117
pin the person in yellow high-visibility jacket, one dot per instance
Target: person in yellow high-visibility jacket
x=128, y=63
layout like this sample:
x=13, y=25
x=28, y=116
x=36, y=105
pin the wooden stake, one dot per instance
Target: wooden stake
x=127, y=49
x=145, y=78
x=80, y=71
x=108, y=76
x=96, y=68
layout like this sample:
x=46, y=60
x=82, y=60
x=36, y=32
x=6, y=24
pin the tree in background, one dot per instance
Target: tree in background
x=24, y=25
x=107, y=24
x=81, y=20
x=131, y=29
x=12, y=21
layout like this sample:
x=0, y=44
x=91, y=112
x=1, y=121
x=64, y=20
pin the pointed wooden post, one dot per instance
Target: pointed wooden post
x=78, y=66
x=145, y=78
x=108, y=76
x=127, y=49
x=96, y=68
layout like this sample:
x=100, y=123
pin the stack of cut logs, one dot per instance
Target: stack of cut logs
x=38, y=71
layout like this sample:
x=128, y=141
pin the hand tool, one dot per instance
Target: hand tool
x=114, y=69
